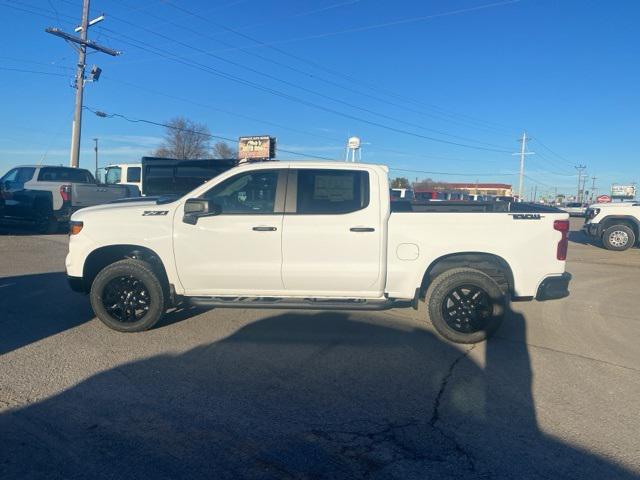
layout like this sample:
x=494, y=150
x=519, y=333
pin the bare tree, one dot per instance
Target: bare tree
x=400, y=182
x=429, y=184
x=223, y=150
x=185, y=139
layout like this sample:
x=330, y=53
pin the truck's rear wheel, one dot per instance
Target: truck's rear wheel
x=618, y=237
x=127, y=296
x=46, y=223
x=465, y=305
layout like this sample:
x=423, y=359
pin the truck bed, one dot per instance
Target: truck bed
x=402, y=206
x=88, y=194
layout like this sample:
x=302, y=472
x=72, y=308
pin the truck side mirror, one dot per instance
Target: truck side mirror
x=195, y=208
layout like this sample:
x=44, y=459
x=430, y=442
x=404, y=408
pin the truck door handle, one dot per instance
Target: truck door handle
x=265, y=229
x=362, y=229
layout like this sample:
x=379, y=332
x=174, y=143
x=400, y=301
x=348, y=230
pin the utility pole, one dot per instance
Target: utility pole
x=593, y=188
x=523, y=152
x=580, y=169
x=535, y=193
x=95, y=149
x=80, y=44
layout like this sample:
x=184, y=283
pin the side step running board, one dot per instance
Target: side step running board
x=298, y=303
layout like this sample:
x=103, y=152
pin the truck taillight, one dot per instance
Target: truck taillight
x=563, y=227
x=65, y=192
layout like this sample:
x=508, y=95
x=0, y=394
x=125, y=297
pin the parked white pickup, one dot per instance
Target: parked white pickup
x=318, y=236
x=47, y=195
x=616, y=225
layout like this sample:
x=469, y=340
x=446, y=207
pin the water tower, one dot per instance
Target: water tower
x=353, y=150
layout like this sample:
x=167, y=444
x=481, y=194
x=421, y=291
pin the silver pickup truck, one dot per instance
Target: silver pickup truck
x=47, y=195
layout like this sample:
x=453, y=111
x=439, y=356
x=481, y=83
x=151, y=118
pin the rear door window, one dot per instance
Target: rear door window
x=332, y=191
x=133, y=174
x=62, y=174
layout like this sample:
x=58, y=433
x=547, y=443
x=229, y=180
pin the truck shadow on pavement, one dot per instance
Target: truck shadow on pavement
x=579, y=237
x=33, y=307
x=301, y=396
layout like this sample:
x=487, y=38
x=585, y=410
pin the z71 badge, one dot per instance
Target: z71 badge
x=526, y=216
x=154, y=213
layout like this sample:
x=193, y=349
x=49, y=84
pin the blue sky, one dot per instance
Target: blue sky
x=411, y=78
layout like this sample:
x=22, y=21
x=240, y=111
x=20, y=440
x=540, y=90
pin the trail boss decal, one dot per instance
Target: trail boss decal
x=154, y=213
x=526, y=216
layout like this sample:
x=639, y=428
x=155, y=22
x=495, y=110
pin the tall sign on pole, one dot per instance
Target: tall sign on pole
x=256, y=148
x=80, y=44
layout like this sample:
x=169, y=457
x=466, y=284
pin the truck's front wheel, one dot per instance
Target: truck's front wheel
x=127, y=296
x=465, y=305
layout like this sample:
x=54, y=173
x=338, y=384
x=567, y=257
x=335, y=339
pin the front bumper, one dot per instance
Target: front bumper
x=554, y=287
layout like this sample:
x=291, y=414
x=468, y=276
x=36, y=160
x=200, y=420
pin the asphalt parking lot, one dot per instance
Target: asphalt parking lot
x=266, y=394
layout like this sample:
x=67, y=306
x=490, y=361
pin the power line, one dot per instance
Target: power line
x=278, y=93
x=554, y=153
x=294, y=69
x=312, y=63
x=452, y=174
x=173, y=57
x=102, y=114
x=305, y=89
x=23, y=70
x=363, y=28
x=148, y=90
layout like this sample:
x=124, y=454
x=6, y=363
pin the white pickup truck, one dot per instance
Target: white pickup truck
x=316, y=236
x=616, y=225
x=46, y=195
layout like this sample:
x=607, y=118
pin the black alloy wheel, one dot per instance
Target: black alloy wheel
x=126, y=299
x=466, y=305
x=467, y=308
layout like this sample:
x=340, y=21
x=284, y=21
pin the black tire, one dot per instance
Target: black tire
x=127, y=296
x=465, y=305
x=618, y=238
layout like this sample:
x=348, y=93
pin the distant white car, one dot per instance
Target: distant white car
x=575, y=209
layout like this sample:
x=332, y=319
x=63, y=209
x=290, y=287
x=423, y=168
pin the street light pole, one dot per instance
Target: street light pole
x=77, y=113
x=95, y=148
x=523, y=153
x=80, y=44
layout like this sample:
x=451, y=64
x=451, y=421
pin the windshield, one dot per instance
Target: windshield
x=113, y=175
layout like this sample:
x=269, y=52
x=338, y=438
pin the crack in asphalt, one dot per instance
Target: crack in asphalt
x=368, y=448
x=435, y=414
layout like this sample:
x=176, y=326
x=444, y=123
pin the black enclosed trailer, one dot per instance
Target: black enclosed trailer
x=169, y=176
